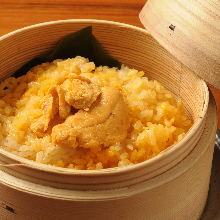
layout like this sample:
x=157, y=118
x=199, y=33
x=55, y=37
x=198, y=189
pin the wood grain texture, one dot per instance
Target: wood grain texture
x=16, y=14
x=190, y=30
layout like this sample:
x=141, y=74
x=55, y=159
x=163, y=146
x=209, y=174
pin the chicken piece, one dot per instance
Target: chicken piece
x=64, y=107
x=50, y=108
x=104, y=124
x=37, y=127
x=80, y=93
x=65, y=135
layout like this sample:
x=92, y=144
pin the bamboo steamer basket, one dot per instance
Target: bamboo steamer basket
x=164, y=187
x=190, y=30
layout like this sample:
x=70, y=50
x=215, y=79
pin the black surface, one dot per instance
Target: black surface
x=80, y=43
x=212, y=209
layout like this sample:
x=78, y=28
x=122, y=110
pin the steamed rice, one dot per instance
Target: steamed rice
x=157, y=119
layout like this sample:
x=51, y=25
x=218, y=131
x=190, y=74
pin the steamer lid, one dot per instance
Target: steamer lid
x=190, y=30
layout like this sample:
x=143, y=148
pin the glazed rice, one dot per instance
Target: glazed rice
x=157, y=119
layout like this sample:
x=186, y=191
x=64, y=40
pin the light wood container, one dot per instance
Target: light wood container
x=190, y=30
x=172, y=185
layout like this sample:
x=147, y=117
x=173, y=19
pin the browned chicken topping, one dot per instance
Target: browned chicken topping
x=76, y=92
x=64, y=107
x=49, y=107
x=104, y=124
x=79, y=92
x=102, y=119
x=65, y=135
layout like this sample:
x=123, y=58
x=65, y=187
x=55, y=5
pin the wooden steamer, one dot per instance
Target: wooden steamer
x=173, y=185
x=190, y=30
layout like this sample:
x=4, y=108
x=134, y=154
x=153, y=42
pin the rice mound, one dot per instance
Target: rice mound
x=157, y=119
